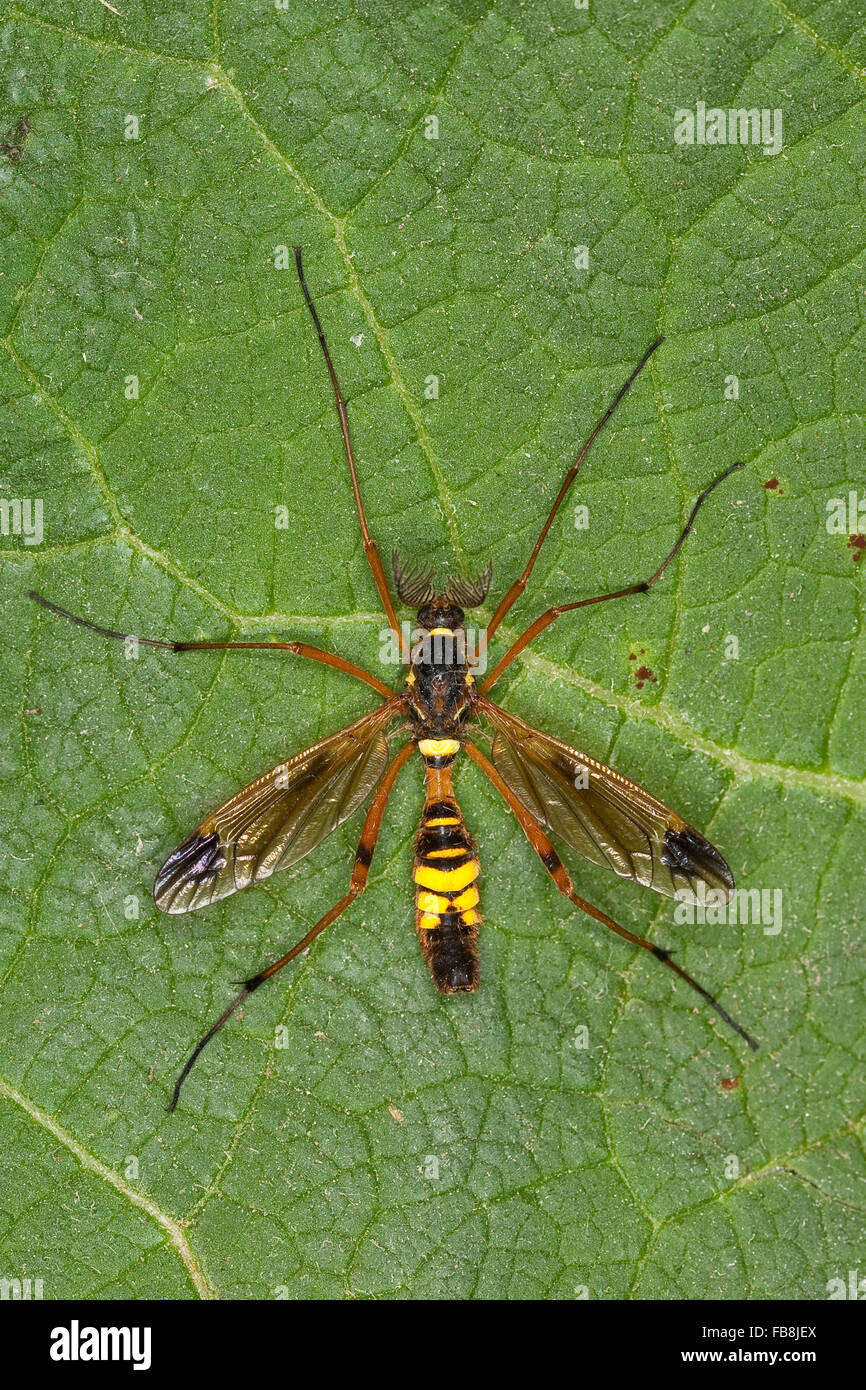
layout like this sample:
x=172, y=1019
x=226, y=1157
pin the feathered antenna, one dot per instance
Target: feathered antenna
x=467, y=592
x=415, y=585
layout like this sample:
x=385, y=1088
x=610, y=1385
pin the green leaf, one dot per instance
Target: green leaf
x=662, y=1159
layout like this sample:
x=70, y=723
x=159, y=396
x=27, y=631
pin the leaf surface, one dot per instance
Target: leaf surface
x=354, y=1134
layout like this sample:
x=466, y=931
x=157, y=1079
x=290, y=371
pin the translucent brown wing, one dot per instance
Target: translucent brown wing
x=605, y=817
x=277, y=819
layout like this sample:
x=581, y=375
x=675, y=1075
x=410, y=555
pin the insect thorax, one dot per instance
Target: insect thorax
x=440, y=683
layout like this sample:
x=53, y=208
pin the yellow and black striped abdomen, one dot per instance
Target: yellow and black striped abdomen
x=446, y=873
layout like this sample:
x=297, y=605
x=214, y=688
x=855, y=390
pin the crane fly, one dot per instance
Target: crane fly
x=551, y=788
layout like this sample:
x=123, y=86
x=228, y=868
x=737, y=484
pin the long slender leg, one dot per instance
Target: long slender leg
x=553, y=613
x=554, y=866
x=520, y=584
x=296, y=648
x=371, y=550
x=358, y=882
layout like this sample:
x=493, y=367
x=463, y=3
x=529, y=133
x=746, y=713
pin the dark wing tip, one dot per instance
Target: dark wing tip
x=687, y=852
x=198, y=860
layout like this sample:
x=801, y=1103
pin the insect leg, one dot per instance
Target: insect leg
x=357, y=884
x=553, y=613
x=371, y=550
x=296, y=648
x=520, y=584
x=554, y=866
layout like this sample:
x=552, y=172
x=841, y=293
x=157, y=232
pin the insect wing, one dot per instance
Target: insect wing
x=277, y=819
x=608, y=819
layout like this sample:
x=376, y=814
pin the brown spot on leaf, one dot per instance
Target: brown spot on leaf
x=857, y=544
x=772, y=485
x=730, y=1083
x=642, y=674
x=396, y=1114
x=12, y=145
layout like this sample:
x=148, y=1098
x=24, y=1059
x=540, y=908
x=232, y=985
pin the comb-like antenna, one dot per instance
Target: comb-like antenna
x=467, y=592
x=415, y=585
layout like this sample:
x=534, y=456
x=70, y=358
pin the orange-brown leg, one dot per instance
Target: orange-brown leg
x=371, y=550
x=520, y=584
x=357, y=884
x=554, y=866
x=296, y=648
x=553, y=613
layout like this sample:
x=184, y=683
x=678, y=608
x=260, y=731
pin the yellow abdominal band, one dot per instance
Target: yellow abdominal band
x=432, y=902
x=447, y=880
